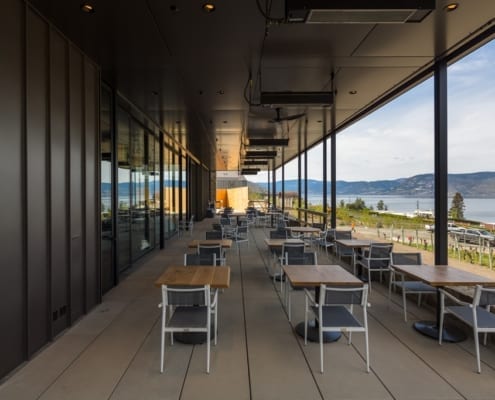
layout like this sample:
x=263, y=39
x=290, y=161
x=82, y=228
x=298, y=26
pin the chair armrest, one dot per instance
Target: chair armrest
x=309, y=296
x=215, y=299
x=444, y=293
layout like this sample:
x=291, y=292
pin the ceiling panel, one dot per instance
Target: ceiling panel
x=191, y=71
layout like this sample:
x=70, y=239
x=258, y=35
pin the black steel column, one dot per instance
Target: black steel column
x=306, y=169
x=283, y=180
x=268, y=186
x=274, y=185
x=162, y=194
x=333, y=158
x=325, y=177
x=441, y=170
x=299, y=191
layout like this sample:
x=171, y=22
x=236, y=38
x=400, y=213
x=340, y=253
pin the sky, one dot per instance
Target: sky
x=397, y=141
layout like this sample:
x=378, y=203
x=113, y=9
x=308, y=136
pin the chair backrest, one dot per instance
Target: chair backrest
x=200, y=259
x=242, y=231
x=210, y=249
x=484, y=296
x=406, y=258
x=309, y=258
x=278, y=234
x=380, y=250
x=225, y=220
x=185, y=296
x=293, y=251
x=213, y=235
x=343, y=235
x=343, y=295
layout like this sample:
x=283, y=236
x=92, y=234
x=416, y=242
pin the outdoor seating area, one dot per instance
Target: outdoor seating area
x=115, y=351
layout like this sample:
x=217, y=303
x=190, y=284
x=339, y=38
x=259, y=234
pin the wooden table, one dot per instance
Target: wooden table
x=225, y=243
x=194, y=275
x=276, y=244
x=315, y=275
x=304, y=229
x=440, y=276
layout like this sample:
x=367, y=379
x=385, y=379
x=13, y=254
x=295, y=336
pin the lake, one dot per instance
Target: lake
x=482, y=210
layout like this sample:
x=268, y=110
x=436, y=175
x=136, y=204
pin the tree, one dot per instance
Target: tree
x=358, y=204
x=380, y=205
x=457, y=207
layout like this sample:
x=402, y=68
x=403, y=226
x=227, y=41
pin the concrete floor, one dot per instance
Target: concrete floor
x=113, y=352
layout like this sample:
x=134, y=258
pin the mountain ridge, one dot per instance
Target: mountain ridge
x=470, y=185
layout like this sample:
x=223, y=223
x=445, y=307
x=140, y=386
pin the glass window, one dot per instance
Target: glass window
x=123, y=190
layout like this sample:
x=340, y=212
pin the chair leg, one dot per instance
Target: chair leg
x=321, y=349
x=404, y=303
x=162, y=351
x=208, y=349
x=477, y=347
x=367, y=351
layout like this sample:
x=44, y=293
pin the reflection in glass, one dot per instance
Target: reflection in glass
x=107, y=270
x=123, y=189
x=140, y=192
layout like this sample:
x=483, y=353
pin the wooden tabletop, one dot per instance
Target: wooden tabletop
x=354, y=243
x=304, y=229
x=225, y=243
x=314, y=275
x=195, y=275
x=274, y=243
x=444, y=275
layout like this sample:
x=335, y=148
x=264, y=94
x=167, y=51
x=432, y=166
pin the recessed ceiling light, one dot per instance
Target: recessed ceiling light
x=352, y=92
x=319, y=121
x=225, y=122
x=451, y=7
x=208, y=7
x=174, y=8
x=87, y=8
x=220, y=91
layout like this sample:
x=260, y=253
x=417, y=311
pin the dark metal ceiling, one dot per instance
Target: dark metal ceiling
x=189, y=70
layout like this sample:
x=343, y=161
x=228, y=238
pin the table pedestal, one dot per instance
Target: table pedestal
x=449, y=334
x=313, y=335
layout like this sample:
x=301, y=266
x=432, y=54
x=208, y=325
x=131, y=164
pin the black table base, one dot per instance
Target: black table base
x=313, y=335
x=449, y=334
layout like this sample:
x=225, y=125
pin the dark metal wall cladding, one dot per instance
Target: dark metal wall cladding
x=12, y=310
x=59, y=240
x=49, y=236
x=37, y=183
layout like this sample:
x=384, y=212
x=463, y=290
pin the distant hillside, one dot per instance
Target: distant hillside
x=477, y=184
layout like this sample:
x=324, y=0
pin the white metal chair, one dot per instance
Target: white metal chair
x=186, y=225
x=476, y=314
x=334, y=313
x=241, y=235
x=326, y=240
x=189, y=310
x=397, y=279
x=288, y=250
x=375, y=259
x=343, y=251
x=206, y=249
x=307, y=258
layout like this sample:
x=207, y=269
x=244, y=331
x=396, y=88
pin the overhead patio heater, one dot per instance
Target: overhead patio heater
x=357, y=11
